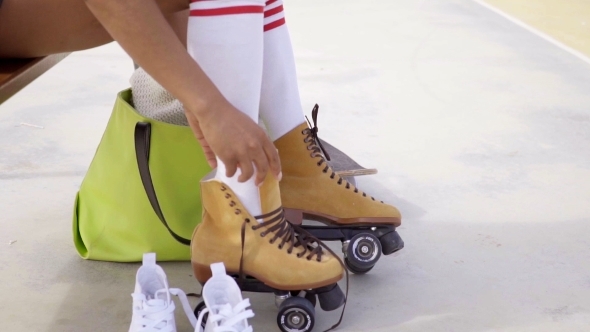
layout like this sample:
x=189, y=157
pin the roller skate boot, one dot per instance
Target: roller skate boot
x=266, y=253
x=311, y=190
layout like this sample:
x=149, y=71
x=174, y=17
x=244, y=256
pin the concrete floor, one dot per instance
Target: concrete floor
x=480, y=131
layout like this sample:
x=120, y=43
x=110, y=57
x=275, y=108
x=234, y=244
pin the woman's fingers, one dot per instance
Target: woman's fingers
x=274, y=161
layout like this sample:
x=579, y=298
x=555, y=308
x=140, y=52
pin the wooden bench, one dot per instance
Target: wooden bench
x=15, y=74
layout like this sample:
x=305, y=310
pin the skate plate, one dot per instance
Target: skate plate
x=343, y=165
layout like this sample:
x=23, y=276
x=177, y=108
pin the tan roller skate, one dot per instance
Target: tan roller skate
x=310, y=189
x=266, y=253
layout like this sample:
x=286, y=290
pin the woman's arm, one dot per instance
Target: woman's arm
x=140, y=28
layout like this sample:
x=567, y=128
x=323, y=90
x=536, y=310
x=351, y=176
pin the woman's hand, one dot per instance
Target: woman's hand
x=140, y=28
x=238, y=141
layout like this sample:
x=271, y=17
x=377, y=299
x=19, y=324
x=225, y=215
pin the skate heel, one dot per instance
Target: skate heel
x=201, y=272
x=294, y=216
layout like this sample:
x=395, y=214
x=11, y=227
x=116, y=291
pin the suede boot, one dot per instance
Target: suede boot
x=271, y=251
x=310, y=187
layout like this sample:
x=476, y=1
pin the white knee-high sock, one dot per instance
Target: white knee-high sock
x=280, y=104
x=225, y=38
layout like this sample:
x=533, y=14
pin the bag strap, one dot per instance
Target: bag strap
x=142, y=151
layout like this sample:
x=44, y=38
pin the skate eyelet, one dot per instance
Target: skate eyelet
x=289, y=252
x=347, y=185
x=382, y=202
x=262, y=234
x=238, y=211
x=332, y=176
x=232, y=203
x=373, y=198
x=299, y=255
x=227, y=195
x=280, y=246
x=319, y=163
x=271, y=241
x=356, y=190
x=247, y=219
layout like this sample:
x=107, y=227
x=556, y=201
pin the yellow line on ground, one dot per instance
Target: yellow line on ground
x=567, y=21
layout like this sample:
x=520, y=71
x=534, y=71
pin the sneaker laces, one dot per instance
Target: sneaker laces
x=186, y=306
x=155, y=312
x=227, y=317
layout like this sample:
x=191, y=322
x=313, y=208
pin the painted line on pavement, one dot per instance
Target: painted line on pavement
x=537, y=32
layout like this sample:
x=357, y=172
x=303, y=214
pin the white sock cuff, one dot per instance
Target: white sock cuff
x=247, y=192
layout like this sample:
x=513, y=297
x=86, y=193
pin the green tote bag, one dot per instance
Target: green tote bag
x=142, y=171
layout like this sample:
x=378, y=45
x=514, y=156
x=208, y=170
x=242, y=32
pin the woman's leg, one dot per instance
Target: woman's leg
x=31, y=28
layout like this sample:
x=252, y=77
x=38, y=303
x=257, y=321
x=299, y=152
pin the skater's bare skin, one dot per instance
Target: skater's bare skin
x=40, y=27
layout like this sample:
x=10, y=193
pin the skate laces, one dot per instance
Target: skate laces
x=314, y=144
x=285, y=232
x=227, y=317
x=312, y=135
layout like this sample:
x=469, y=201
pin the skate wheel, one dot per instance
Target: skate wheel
x=309, y=296
x=296, y=314
x=198, y=310
x=391, y=242
x=356, y=270
x=363, y=252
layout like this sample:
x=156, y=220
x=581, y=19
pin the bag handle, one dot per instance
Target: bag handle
x=143, y=132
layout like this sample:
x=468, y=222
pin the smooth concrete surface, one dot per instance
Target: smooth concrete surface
x=480, y=131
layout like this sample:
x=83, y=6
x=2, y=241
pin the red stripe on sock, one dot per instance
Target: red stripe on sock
x=273, y=11
x=274, y=24
x=227, y=11
x=270, y=2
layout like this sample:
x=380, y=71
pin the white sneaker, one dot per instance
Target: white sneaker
x=153, y=308
x=226, y=308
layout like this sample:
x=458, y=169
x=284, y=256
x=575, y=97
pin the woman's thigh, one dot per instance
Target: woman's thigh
x=31, y=28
